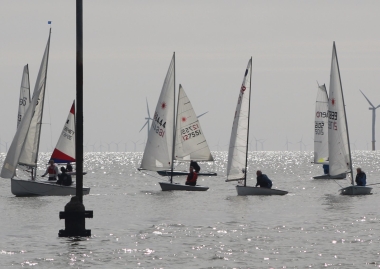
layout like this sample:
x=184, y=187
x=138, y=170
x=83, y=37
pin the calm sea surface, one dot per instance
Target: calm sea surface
x=136, y=225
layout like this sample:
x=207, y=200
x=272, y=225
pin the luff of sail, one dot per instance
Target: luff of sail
x=158, y=150
x=237, y=152
x=27, y=136
x=24, y=99
x=321, y=137
x=191, y=143
x=64, y=151
x=339, y=154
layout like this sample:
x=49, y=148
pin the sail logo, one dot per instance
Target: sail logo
x=320, y=114
x=333, y=101
x=243, y=88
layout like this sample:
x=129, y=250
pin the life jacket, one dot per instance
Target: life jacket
x=51, y=170
x=192, y=178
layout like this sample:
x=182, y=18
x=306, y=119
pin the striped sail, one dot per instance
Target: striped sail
x=64, y=151
x=237, y=152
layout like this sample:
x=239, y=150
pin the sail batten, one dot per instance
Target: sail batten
x=237, y=152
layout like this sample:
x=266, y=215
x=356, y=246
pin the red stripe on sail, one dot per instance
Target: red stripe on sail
x=59, y=155
x=72, y=110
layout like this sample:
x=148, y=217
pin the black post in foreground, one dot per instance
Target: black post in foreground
x=75, y=212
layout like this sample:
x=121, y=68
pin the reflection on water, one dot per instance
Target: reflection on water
x=136, y=225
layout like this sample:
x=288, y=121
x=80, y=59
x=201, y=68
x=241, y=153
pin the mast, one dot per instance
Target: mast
x=249, y=117
x=42, y=107
x=345, y=117
x=174, y=129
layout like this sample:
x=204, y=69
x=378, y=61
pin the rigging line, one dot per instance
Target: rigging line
x=51, y=132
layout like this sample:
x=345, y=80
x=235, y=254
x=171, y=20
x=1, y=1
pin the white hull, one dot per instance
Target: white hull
x=184, y=173
x=167, y=186
x=241, y=190
x=340, y=176
x=20, y=187
x=356, y=190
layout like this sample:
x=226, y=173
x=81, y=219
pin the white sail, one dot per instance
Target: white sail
x=321, y=137
x=24, y=100
x=339, y=154
x=191, y=143
x=64, y=151
x=158, y=150
x=27, y=135
x=237, y=152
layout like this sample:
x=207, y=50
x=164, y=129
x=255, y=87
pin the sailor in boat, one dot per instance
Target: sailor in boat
x=192, y=177
x=64, y=179
x=361, y=178
x=69, y=167
x=52, y=170
x=195, y=165
x=326, y=169
x=262, y=180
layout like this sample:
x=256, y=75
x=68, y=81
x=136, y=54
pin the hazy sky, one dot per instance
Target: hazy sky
x=128, y=46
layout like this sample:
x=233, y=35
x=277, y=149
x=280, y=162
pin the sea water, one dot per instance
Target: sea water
x=136, y=225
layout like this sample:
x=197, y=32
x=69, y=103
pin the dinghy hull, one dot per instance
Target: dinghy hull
x=74, y=173
x=356, y=190
x=20, y=187
x=184, y=173
x=167, y=186
x=340, y=176
x=246, y=190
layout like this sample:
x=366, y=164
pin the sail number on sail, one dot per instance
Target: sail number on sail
x=319, y=125
x=190, y=132
x=68, y=133
x=157, y=124
x=333, y=116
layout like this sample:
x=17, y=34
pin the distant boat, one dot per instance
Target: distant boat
x=22, y=155
x=24, y=100
x=238, y=148
x=340, y=160
x=321, y=138
x=160, y=147
x=64, y=151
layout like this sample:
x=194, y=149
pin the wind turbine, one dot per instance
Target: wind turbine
x=135, y=142
x=125, y=146
x=257, y=140
x=287, y=144
x=148, y=119
x=109, y=146
x=117, y=146
x=300, y=142
x=373, y=108
x=262, y=144
x=217, y=145
x=93, y=147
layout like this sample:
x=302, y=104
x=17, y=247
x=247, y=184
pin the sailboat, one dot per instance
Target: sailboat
x=238, y=148
x=24, y=100
x=340, y=160
x=23, y=153
x=190, y=142
x=159, y=152
x=64, y=151
x=321, y=142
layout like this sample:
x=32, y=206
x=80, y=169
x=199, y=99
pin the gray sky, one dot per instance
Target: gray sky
x=128, y=46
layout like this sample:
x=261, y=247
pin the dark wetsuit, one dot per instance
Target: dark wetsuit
x=361, y=179
x=263, y=181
